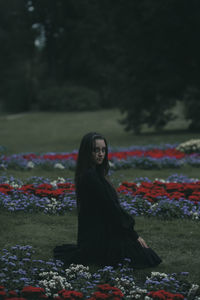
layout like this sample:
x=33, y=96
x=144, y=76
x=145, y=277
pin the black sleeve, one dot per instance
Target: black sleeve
x=101, y=194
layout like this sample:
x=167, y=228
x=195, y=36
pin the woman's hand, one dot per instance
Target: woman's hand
x=142, y=242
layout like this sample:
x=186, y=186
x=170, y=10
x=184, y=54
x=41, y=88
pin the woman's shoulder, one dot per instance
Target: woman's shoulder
x=89, y=174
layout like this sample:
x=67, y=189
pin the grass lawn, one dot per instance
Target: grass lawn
x=176, y=241
x=42, y=132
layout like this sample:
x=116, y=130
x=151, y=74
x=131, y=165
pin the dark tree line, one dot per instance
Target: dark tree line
x=139, y=55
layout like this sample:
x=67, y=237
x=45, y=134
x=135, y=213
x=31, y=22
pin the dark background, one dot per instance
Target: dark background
x=141, y=56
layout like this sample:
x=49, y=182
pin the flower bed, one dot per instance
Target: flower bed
x=145, y=157
x=37, y=194
x=23, y=276
x=178, y=196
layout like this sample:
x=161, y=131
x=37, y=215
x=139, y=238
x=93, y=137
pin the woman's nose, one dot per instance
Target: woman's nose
x=101, y=152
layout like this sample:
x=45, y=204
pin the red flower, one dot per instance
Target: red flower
x=112, y=289
x=62, y=291
x=117, y=294
x=45, y=186
x=194, y=198
x=12, y=293
x=152, y=191
x=105, y=291
x=70, y=294
x=105, y=287
x=27, y=188
x=5, y=188
x=59, y=156
x=162, y=294
x=2, y=293
x=30, y=156
x=15, y=298
x=100, y=295
x=32, y=290
x=66, y=185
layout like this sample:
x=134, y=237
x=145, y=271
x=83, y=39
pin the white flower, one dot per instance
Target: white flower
x=15, y=185
x=30, y=165
x=111, y=164
x=54, y=183
x=195, y=215
x=59, y=166
x=192, y=145
x=2, y=166
x=61, y=180
x=154, y=205
x=193, y=291
x=160, y=179
x=162, y=275
x=77, y=270
x=52, y=281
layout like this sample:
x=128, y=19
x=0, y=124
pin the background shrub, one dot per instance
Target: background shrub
x=68, y=98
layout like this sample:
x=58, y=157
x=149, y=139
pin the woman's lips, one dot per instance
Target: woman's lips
x=99, y=158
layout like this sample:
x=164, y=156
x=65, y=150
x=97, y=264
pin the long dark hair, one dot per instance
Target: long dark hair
x=85, y=161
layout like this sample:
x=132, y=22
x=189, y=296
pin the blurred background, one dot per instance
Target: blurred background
x=140, y=57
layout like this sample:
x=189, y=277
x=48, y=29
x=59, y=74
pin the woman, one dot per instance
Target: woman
x=105, y=231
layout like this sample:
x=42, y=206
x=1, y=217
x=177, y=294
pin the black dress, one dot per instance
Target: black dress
x=105, y=231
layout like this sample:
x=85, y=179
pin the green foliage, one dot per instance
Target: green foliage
x=68, y=98
x=161, y=61
x=192, y=107
x=16, y=56
x=140, y=56
x=19, y=87
x=152, y=112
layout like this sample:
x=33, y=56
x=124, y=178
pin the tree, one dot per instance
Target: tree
x=139, y=55
x=192, y=107
x=16, y=57
x=160, y=46
x=77, y=42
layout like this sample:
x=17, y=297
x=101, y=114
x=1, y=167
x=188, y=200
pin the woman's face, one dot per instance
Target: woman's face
x=99, y=151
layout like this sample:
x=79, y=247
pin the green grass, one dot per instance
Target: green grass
x=42, y=132
x=132, y=174
x=176, y=241
x=117, y=176
x=41, y=231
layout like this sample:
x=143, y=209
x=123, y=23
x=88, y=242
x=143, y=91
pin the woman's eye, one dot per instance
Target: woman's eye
x=97, y=150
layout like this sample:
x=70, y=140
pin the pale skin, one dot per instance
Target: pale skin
x=99, y=151
x=98, y=156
